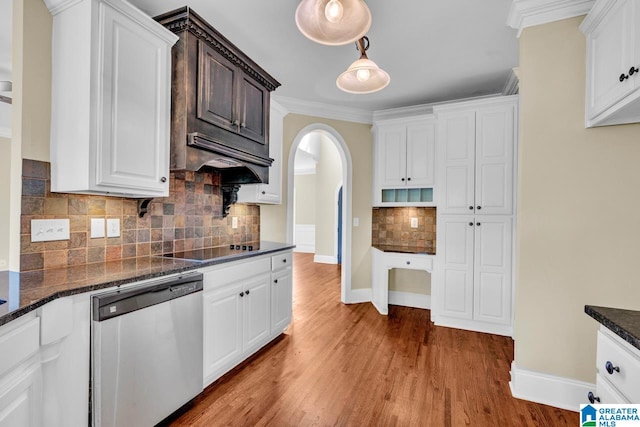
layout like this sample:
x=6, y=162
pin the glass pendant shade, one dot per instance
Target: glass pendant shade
x=333, y=22
x=363, y=76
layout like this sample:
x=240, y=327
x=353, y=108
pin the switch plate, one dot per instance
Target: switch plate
x=414, y=222
x=356, y=222
x=97, y=228
x=46, y=230
x=234, y=222
x=113, y=227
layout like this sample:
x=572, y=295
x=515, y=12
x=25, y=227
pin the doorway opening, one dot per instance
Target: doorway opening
x=319, y=188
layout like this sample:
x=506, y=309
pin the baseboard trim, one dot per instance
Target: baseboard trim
x=410, y=299
x=305, y=249
x=472, y=325
x=325, y=259
x=357, y=296
x=548, y=389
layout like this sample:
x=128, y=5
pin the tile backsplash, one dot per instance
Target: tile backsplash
x=190, y=218
x=392, y=226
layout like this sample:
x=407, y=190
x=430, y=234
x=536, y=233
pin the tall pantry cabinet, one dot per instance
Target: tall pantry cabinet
x=473, y=283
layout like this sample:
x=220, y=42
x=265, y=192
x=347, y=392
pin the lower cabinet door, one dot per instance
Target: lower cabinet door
x=21, y=397
x=222, y=330
x=256, y=304
x=281, y=300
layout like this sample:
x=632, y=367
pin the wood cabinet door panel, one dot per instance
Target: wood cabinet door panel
x=253, y=101
x=256, y=308
x=217, y=80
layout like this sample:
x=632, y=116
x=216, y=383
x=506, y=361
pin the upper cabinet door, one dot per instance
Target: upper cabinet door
x=254, y=102
x=494, y=160
x=133, y=150
x=456, y=137
x=392, y=156
x=217, y=86
x=420, y=154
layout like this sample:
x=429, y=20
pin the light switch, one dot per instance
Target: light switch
x=234, y=222
x=356, y=222
x=46, y=230
x=113, y=227
x=414, y=222
x=97, y=228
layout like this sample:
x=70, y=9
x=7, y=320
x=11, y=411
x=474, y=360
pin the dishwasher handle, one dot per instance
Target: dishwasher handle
x=123, y=301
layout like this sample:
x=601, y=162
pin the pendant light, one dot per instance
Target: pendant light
x=363, y=76
x=333, y=22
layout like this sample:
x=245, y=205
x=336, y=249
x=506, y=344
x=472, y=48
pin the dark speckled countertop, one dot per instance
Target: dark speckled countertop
x=404, y=249
x=25, y=292
x=624, y=323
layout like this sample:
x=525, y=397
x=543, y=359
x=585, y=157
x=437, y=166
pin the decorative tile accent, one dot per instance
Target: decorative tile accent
x=392, y=227
x=190, y=218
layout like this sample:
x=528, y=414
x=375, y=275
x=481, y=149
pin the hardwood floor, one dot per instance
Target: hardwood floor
x=346, y=365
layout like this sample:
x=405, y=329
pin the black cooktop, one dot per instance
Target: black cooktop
x=207, y=254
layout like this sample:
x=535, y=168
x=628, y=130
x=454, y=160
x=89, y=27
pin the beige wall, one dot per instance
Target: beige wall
x=414, y=281
x=579, y=199
x=305, y=188
x=359, y=142
x=328, y=178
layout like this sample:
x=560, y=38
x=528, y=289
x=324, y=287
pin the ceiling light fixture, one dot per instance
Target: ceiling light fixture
x=363, y=76
x=333, y=22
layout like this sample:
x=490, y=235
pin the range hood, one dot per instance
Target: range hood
x=219, y=106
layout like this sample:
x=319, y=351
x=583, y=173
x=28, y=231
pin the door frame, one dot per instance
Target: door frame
x=347, y=168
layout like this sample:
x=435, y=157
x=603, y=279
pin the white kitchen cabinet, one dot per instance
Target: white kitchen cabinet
x=111, y=80
x=270, y=193
x=404, y=168
x=243, y=309
x=474, y=286
x=613, y=60
x=476, y=146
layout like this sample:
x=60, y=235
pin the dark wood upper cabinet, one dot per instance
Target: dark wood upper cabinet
x=220, y=101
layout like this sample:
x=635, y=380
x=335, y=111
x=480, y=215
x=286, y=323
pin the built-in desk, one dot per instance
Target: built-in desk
x=384, y=258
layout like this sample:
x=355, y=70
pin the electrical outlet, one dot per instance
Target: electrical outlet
x=414, y=222
x=113, y=227
x=46, y=230
x=234, y=222
x=97, y=228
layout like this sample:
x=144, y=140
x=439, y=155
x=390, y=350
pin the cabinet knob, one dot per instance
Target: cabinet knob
x=163, y=179
x=236, y=122
x=402, y=179
x=247, y=291
x=470, y=224
x=478, y=224
x=610, y=368
x=241, y=294
x=479, y=207
x=632, y=71
x=470, y=208
x=409, y=179
x=264, y=192
x=243, y=125
x=284, y=260
x=623, y=77
x=592, y=397
x=275, y=280
x=408, y=262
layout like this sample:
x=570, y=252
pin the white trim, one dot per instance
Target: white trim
x=548, y=389
x=529, y=13
x=410, y=299
x=305, y=238
x=357, y=296
x=5, y=132
x=327, y=111
x=472, y=325
x=305, y=171
x=325, y=259
x=347, y=199
x=475, y=103
x=512, y=85
x=335, y=220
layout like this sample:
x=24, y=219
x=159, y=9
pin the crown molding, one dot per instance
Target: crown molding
x=417, y=111
x=596, y=15
x=5, y=132
x=512, y=85
x=327, y=111
x=529, y=13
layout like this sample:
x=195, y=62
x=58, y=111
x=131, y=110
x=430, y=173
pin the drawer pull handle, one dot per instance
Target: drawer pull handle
x=610, y=368
x=241, y=294
x=275, y=281
x=623, y=77
x=632, y=71
x=592, y=397
x=247, y=291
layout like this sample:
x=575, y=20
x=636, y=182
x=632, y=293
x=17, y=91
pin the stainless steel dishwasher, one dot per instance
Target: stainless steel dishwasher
x=146, y=351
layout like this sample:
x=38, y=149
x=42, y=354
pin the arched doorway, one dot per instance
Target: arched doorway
x=346, y=231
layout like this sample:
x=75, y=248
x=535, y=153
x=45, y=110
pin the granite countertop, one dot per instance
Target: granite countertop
x=405, y=249
x=624, y=323
x=26, y=291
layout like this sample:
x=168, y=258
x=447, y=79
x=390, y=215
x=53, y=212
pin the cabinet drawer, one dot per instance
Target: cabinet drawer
x=280, y=261
x=221, y=276
x=624, y=360
x=607, y=393
x=18, y=343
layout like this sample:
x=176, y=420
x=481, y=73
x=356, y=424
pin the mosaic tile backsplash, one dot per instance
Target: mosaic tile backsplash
x=190, y=218
x=392, y=226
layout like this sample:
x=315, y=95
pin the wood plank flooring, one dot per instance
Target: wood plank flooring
x=346, y=365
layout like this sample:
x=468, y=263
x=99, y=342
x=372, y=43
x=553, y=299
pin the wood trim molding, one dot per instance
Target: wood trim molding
x=327, y=111
x=548, y=389
x=529, y=13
